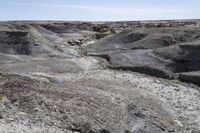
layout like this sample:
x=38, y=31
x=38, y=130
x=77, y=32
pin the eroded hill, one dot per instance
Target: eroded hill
x=88, y=77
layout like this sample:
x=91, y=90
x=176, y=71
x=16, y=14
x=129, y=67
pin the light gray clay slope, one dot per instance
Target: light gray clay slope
x=68, y=77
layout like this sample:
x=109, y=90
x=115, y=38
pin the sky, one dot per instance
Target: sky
x=99, y=10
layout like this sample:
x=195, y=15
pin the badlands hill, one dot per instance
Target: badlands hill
x=100, y=77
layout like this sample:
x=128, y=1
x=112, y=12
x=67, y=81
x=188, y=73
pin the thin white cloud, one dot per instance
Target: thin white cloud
x=111, y=10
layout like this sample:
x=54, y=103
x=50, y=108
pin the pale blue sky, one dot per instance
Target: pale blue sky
x=99, y=10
